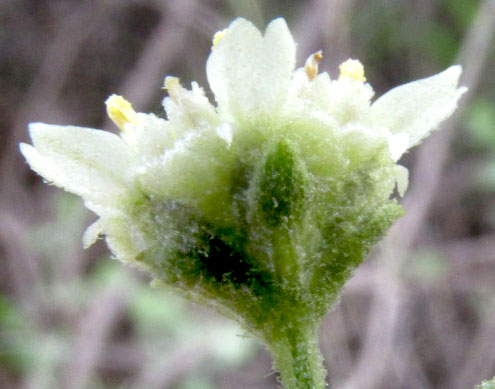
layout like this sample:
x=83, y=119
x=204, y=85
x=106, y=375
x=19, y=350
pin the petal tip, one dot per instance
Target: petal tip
x=25, y=149
x=92, y=234
x=278, y=22
x=453, y=73
x=278, y=27
x=240, y=23
x=455, y=70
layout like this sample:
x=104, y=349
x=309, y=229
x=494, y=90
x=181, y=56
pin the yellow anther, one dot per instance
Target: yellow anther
x=352, y=68
x=120, y=111
x=218, y=37
x=173, y=86
x=311, y=65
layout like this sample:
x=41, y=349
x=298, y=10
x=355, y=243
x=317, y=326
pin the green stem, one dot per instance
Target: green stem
x=298, y=358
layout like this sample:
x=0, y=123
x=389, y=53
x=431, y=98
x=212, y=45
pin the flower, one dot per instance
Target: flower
x=263, y=204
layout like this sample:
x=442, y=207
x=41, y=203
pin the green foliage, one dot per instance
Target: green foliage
x=157, y=312
x=386, y=34
x=15, y=337
x=196, y=382
x=480, y=123
x=462, y=12
x=442, y=43
x=486, y=175
x=489, y=384
x=427, y=267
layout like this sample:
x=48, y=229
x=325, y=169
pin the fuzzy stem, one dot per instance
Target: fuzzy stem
x=298, y=358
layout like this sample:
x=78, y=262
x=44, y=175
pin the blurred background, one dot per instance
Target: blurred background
x=419, y=314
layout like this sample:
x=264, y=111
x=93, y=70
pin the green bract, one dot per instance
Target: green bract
x=263, y=205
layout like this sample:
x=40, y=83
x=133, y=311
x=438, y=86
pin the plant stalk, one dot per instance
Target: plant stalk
x=298, y=359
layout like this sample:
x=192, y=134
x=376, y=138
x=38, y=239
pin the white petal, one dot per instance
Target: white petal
x=305, y=93
x=90, y=163
x=86, y=145
x=149, y=137
x=188, y=108
x=225, y=132
x=92, y=233
x=249, y=74
x=402, y=179
x=231, y=62
x=398, y=144
x=419, y=107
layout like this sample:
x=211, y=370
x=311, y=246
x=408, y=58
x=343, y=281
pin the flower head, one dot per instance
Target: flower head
x=263, y=203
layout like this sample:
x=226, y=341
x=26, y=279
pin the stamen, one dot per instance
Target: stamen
x=352, y=68
x=173, y=87
x=120, y=111
x=311, y=65
x=218, y=37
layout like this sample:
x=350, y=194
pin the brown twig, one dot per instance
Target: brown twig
x=94, y=329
